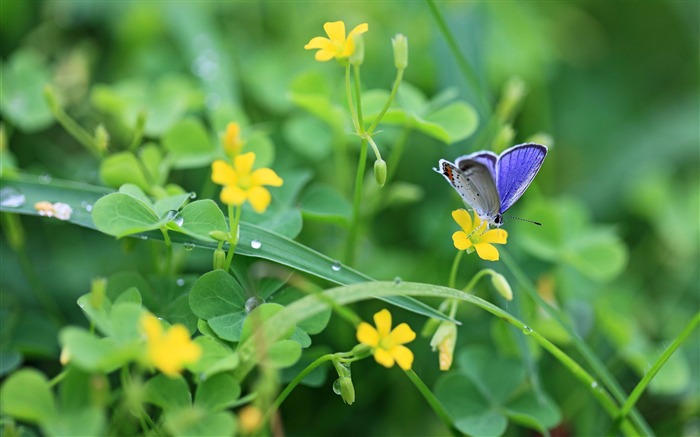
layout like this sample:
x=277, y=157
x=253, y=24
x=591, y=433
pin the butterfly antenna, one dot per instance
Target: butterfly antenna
x=525, y=220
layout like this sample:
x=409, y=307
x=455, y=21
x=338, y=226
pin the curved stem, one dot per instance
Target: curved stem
x=389, y=101
x=598, y=368
x=464, y=65
x=455, y=267
x=234, y=218
x=358, y=99
x=357, y=200
x=639, y=389
x=432, y=401
x=374, y=146
x=168, y=250
x=351, y=105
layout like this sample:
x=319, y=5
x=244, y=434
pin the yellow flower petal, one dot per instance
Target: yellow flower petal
x=383, y=357
x=244, y=164
x=259, y=198
x=348, y=49
x=486, y=251
x=324, y=55
x=403, y=356
x=335, y=31
x=382, y=321
x=233, y=195
x=366, y=334
x=496, y=236
x=151, y=326
x=222, y=173
x=265, y=176
x=463, y=219
x=461, y=241
x=232, y=139
x=479, y=224
x=319, y=42
x=402, y=334
x=359, y=29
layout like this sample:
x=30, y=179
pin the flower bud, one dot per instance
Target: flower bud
x=249, y=419
x=219, y=259
x=358, y=55
x=347, y=390
x=444, y=340
x=380, y=172
x=502, y=286
x=513, y=93
x=98, y=292
x=219, y=235
x=504, y=138
x=400, y=45
x=101, y=137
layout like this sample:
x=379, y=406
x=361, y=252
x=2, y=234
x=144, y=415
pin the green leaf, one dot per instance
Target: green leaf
x=126, y=320
x=309, y=137
x=497, y=377
x=259, y=316
x=91, y=353
x=274, y=247
x=229, y=326
x=217, y=393
x=137, y=193
x=321, y=202
x=89, y=421
x=123, y=168
x=97, y=316
x=260, y=143
x=533, y=412
x=170, y=203
x=312, y=325
x=9, y=360
x=168, y=393
x=459, y=120
x=189, y=144
x=120, y=214
x=26, y=395
x=195, y=422
x=22, y=90
x=152, y=159
x=599, y=255
x=131, y=295
x=178, y=311
x=283, y=354
x=201, y=217
x=78, y=387
x=215, y=358
x=216, y=293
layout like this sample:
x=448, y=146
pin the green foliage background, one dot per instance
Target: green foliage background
x=615, y=85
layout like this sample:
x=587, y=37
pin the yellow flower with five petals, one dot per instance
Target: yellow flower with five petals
x=242, y=183
x=472, y=236
x=168, y=351
x=336, y=45
x=388, y=344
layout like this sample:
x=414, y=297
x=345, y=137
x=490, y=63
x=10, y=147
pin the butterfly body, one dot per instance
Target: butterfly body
x=490, y=183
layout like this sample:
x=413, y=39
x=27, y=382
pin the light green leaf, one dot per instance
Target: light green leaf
x=189, y=144
x=215, y=358
x=458, y=119
x=123, y=168
x=321, y=202
x=94, y=354
x=89, y=421
x=283, y=354
x=97, y=316
x=228, y=326
x=131, y=295
x=120, y=214
x=22, y=90
x=261, y=144
x=216, y=293
x=201, y=217
x=309, y=137
x=168, y=393
x=137, y=193
x=26, y=395
x=152, y=159
x=170, y=203
x=196, y=422
x=259, y=316
x=217, y=393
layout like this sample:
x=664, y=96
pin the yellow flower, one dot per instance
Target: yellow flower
x=336, y=45
x=168, y=351
x=241, y=183
x=472, y=236
x=387, y=343
x=232, y=139
x=444, y=341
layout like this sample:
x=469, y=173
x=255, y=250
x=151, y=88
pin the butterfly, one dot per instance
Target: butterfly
x=490, y=183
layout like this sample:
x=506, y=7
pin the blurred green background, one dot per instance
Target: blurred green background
x=614, y=84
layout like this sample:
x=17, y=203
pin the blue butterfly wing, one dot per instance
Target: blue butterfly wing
x=515, y=170
x=488, y=159
x=475, y=184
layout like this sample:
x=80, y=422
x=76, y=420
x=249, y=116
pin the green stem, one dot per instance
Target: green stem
x=358, y=99
x=453, y=271
x=432, y=401
x=58, y=378
x=389, y=101
x=639, y=389
x=374, y=146
x=467, y=70
x=234, y=218
x=642, y=428
x=288, y=389
x=138, y=131
x=70, y=125
x=357, y=200
x=351, y=105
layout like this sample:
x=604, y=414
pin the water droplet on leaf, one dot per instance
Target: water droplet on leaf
x=256, y=244
x=527, y=330
x=180, y=282
x=188, y=246
x=397, y=280
x=252, y=303
x=45, y=178
x=336, y=266
x=11, y=198
x=336, y=386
